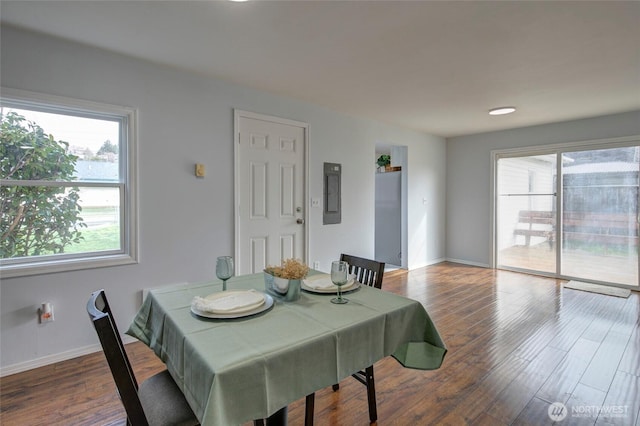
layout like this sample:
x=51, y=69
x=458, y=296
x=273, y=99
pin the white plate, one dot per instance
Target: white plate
x=268, y=303
x=351, y=285
x=229, y=302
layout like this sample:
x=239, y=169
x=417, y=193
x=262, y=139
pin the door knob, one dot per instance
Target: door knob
x=300, y=221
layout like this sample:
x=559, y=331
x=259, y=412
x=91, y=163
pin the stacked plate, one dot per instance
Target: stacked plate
x=231, y=304
x=321, y=283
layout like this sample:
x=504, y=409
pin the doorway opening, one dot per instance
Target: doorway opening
x=391, y=207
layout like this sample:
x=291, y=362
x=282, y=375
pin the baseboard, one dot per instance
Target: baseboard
x=436, y=261
x=53, y=358
x=427, y=263
x=467, y=262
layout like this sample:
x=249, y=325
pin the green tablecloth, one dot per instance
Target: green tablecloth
x=233, y=371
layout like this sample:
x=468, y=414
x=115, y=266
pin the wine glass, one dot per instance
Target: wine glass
x=339, y=270
x=224, y=269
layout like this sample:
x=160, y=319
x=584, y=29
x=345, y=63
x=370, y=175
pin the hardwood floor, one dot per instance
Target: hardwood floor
x=603, y=266
x=517, y=343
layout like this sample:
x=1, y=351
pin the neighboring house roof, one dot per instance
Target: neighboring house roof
x=609, y=167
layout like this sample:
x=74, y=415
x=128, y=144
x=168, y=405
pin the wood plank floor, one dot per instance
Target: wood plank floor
x=517, y=343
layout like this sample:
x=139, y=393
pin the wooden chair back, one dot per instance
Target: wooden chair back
x=100, y=314
x=367, y=272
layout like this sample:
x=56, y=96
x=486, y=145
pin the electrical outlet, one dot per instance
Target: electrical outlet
x=316, y=265
x=45, y=313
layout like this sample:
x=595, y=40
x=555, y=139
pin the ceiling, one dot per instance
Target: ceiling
x=436, y=67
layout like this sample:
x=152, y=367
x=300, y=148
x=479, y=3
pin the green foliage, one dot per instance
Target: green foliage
x=384, y=160
x=108, y=148
x=36, y=220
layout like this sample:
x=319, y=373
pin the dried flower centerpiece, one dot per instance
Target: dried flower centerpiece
x=284, y=280
x=291, y=269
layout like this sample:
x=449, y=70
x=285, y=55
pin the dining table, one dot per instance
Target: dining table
x=234, y=370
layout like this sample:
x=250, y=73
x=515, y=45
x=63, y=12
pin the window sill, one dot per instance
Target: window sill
x=50, y=267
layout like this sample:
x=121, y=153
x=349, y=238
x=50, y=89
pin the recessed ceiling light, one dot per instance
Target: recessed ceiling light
x=239, y=1
x=502, y=110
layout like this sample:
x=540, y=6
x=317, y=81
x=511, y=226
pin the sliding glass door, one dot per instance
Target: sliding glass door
x=600, y=215
x=526, y=202
x=570, y=213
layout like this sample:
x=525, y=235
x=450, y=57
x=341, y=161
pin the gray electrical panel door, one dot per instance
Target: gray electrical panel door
x=332, y=212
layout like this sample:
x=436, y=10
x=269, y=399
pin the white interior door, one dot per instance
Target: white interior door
x=270, y=191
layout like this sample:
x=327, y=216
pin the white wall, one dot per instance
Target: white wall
x=468, y=175
x=185, y=222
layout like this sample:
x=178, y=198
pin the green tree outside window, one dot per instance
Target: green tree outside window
x=36, y=220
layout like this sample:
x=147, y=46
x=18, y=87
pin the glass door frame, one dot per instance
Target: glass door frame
x=558, y=150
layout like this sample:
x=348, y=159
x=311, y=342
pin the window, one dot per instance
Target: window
x=67, y=189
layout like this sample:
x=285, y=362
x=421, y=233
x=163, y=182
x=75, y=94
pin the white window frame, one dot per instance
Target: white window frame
x=128, y=253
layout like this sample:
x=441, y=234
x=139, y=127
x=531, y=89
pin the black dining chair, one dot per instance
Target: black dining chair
x=370, y=273
x=157, y=401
